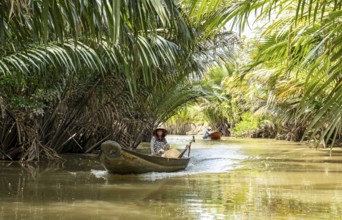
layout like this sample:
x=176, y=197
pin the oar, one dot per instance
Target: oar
x=188, y=147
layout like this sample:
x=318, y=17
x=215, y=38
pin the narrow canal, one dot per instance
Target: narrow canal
x=227, y=179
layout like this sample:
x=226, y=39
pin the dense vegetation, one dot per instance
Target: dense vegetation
x=286, y=81
x=74, y=73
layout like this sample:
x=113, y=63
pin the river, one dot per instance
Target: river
x=226, y=179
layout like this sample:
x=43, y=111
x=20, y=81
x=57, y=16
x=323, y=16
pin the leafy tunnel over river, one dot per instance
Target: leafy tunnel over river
x=74, y=74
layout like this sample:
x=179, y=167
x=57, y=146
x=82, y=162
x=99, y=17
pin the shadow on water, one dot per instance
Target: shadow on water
x=228, y=179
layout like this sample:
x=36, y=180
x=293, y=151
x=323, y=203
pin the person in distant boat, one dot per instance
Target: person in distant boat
x=158, y=142
x=207, y=132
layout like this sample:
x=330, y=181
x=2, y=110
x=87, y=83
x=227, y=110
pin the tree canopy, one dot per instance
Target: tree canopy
x=74, y=73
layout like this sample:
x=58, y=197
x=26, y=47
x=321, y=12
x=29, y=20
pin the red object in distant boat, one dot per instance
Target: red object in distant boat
x=215, y=135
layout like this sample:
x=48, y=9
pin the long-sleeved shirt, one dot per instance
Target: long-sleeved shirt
x=157, y=145
x=207, y=133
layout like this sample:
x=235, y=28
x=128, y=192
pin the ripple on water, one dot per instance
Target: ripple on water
x=213, y=160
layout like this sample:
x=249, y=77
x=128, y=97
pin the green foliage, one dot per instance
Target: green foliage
x=290, y=73
x=248, y=124
x=294, y=72
x=25, y=103
x=97, y=70
x=185, y=120
x=188, y=114
x=301, y=47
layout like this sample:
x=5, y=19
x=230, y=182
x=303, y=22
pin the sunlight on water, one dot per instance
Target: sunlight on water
x=227, y=179
x=216, y=159
x=202, y=161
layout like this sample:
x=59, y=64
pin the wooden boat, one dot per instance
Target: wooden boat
x=215, y=135
x=122, y=161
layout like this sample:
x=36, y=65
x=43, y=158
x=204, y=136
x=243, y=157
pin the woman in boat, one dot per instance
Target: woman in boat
x=207, y=132
x=158, y=141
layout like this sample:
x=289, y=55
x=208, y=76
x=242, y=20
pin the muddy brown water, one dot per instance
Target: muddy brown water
x=227, y=179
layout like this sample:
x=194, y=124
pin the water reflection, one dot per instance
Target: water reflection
x=202, y=161
x=230, y=179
